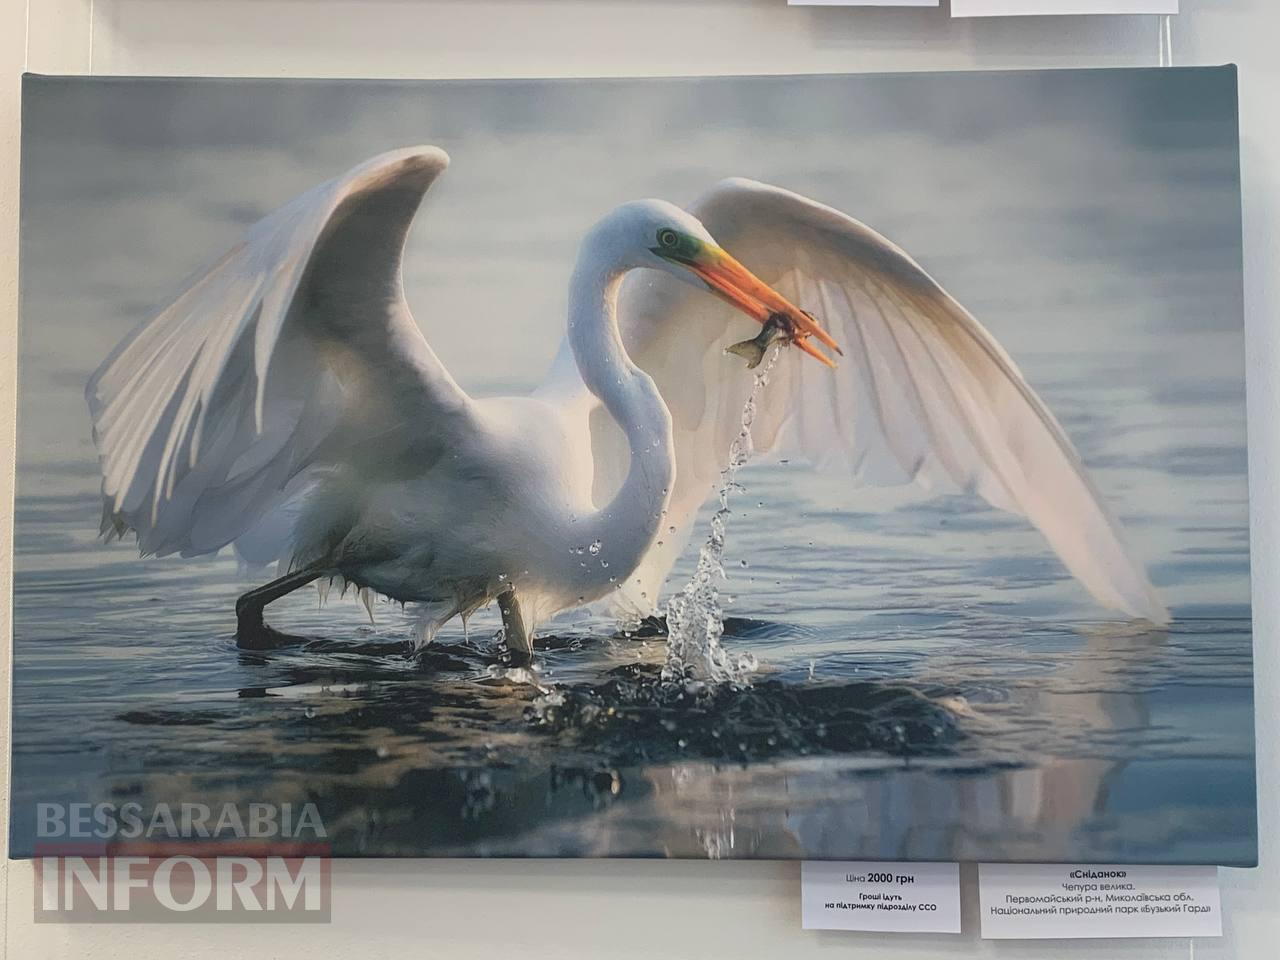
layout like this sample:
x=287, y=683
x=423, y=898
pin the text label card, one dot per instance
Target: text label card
x=1024, y=8
x=880, y=897
x=1049, y=901
x=863, y=3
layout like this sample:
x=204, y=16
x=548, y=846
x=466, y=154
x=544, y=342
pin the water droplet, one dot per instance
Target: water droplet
x=743, y=563
x=671, y=529
x=594, y=549
x=309, y=713
x=659, y=543
x=759, y=503
x=383, y=753
x=604, y=564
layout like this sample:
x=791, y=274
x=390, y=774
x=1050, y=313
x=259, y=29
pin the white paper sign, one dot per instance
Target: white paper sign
x=1029, y=8
x=1042, y=901
x=862, y=3
x=880, y=897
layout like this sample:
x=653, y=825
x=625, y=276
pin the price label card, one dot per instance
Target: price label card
x=1049, y=901
x=1025, y=8
x=880, y=897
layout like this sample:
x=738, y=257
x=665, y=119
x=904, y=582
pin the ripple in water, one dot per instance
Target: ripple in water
x=695, y=617
x=636, y=717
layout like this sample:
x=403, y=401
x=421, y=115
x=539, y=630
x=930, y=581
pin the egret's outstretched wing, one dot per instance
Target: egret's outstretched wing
x=923, y=392
x=293, y=351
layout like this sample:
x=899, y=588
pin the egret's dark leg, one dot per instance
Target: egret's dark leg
x=252, y=632
x=519, y=641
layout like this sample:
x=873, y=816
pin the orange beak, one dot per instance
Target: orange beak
x=739, y=286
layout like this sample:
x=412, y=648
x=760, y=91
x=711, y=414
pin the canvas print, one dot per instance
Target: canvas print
x=783, y=467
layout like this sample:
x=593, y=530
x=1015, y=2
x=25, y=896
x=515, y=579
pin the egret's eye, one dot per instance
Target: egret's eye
x=668, y=238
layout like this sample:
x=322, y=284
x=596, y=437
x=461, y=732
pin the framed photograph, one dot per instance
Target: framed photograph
x=822, y=467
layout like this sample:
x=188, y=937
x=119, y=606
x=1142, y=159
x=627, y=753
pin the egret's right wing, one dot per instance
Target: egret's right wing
x=295, y=350
x=924, y=393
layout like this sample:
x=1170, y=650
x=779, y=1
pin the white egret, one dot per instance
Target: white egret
x=286, y=402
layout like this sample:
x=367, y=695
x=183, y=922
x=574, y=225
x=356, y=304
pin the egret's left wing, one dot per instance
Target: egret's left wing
x=924, y=393
x=294, y=352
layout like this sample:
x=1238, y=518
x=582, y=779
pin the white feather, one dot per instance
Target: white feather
x=208, y=417
x=924, y=393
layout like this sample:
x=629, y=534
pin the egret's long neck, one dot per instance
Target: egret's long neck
x=629, y=523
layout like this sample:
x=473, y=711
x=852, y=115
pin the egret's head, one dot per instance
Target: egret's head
x=660, y=235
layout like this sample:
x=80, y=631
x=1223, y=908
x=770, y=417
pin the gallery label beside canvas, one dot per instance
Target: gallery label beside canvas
x=1034, y=901
x=863, y=3
x=880, y=897
x=1011, y=8
x=1033, y=8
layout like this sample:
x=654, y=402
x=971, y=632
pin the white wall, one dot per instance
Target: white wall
x=639, y=909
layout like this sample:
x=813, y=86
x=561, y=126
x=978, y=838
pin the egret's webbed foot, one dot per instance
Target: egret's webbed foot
x=515, y=629
x=252, y=631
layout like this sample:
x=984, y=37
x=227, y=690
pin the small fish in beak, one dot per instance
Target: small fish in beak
x=733, y=282
x=777, y=326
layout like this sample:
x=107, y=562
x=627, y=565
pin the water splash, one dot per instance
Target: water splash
x=695, y=617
